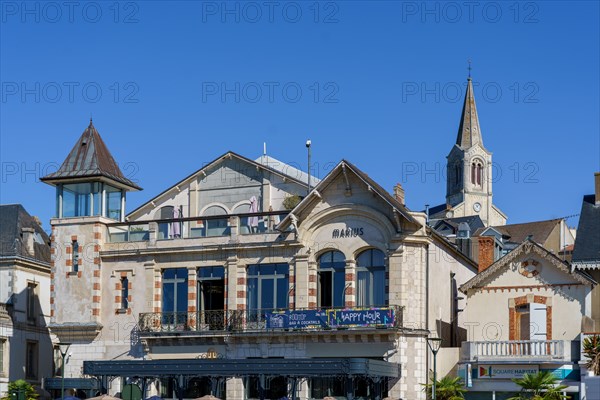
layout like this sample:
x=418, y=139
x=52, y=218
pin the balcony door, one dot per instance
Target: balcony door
x=531, y=321
x=211, y=298
x=331, y=279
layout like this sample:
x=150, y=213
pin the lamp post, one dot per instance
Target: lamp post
x=308, y=144
x=63, y=348
x=434, y=344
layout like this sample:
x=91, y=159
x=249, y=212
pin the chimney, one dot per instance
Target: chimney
x=486, y=252
x=27, y=234
x=597, y=176
x=399, y=193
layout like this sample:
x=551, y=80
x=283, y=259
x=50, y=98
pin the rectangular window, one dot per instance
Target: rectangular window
x=31, y=300
x=124, y=293
x=75, y=255
x=2, y=343
x=113, y=202
x=174, y=296
x=267, y=289
x=31, y=360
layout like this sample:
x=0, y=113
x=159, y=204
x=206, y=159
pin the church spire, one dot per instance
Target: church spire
x=469, y=132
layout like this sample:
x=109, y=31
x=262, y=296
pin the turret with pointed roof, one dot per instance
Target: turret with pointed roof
x=90, y=158
x=89, y=182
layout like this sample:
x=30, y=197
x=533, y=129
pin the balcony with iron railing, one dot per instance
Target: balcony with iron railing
x=516, y=351
x=229, y=322
x=196, y=227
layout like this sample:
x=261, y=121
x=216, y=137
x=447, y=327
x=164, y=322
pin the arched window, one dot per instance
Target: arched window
x=370, y=268
x=477, y=173
x=331, y=279
x=216, y=226
x=165, y=212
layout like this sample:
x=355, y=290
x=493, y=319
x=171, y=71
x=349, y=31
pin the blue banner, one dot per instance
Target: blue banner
x=319, y=319
x=362, y=318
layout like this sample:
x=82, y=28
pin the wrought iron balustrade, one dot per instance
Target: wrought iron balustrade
x=259, y=320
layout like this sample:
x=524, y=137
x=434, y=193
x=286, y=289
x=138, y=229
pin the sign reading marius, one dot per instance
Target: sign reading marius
x=347, y=232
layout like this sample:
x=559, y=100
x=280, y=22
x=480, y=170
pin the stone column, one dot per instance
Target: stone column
x=350, y=284
x=192, y=297
x=301, y=279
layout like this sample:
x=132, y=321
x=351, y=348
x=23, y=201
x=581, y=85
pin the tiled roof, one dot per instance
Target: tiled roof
x=587, y=242
x=90, y=158
x=13, y=218
x=537, y=230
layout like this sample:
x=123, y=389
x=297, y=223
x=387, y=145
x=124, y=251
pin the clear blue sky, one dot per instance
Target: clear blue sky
x=374, y=82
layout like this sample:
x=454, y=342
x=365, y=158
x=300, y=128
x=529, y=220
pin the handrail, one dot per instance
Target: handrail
x=257, y=320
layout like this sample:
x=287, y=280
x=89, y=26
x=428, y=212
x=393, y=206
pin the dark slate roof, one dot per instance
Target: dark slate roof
x=13, y=218
x=90, y=158
x=587, y=242
x=518, y=233
x=474, y=222
x=437, y=212
x=469, y=132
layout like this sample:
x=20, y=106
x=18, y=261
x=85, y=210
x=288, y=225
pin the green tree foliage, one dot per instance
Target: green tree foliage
x=540, y=386
x=20, y=389
x=447, y=388
x=591, y=349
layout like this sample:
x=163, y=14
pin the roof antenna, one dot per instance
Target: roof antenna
x=469, y=68
x=90, y=118
x=264, y=153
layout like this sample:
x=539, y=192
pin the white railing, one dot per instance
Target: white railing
x=515, y=349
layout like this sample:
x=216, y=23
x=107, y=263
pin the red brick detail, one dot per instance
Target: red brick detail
x=486, y=252
x=95, y=311
x=191, y=296
x=312, y=292
x=96, y=286
x=157, y=285
x=52, y=288
x=118, y=286
x=192, y=283
x=96, y=299
x=312, y=278
x=97, y=235
x=69, y=250
x=51, y=300
x=97, y=261
x=129, y=298
x=241, y=294
x=96, y=274
x=69, y=263
x=130, y=285
x=157, y=297
x=156, y=309
x=73, y=238
x=312, y=304
x=549, y=322
x=52, y=313
x=349, y=277
x=96, y=248
x=191, y=308
x=350, y=303
x=117, y=299
x=241, y=281
x=350, y=291
x=129, y=311
x=79, y=274
x=52, y=250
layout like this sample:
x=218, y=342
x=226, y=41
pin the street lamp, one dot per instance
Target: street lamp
x=63, y=348
x=434, y=344
x=308, y=144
